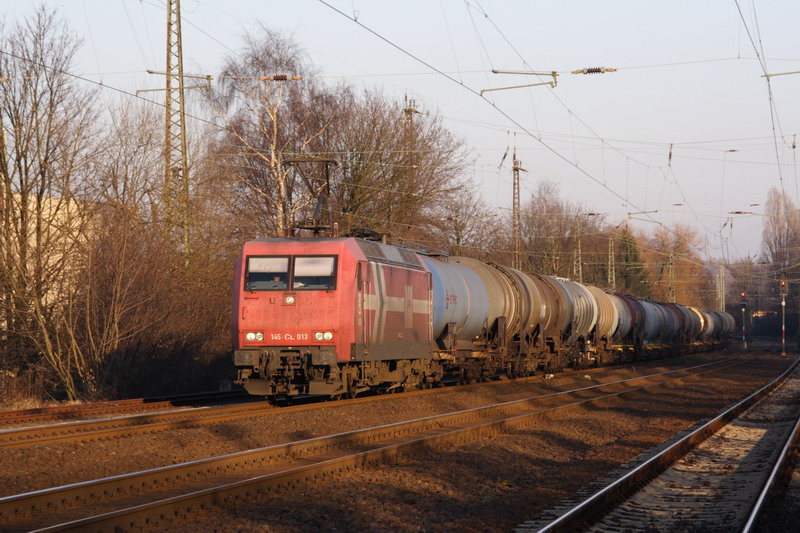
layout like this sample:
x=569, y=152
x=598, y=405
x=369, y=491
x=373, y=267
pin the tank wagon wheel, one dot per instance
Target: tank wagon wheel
x=425, y=383
x=556, y=364
x=516, y=369
x=466, y=378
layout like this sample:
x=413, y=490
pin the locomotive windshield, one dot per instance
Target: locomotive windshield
x=314, y=273
x=267, y=274
x=307, y=273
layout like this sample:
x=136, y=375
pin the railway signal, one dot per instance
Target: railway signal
x=784, y=290
x=744, y=307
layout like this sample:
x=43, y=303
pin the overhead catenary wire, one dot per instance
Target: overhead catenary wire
x=603, y=147
x=552, y=92
x=555, y=152
x=100, y=84
x=105, y=86
x=476, y=93
x=450, y=37
x=762, y=63
x=135, y=33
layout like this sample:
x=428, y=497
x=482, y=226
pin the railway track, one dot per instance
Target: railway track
x=119, y=426
x=143, y=499
x=781, y=512
x=715, y=477
x=56, y=412
x=126, y=425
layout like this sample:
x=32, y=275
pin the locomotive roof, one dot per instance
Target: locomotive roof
x=384, y=253
x=372, y=250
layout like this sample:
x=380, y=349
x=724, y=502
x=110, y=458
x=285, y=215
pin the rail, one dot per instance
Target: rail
x=772, y=480
x=174, y=489
x=84, y=430
x=116, y=406
x=583, y=514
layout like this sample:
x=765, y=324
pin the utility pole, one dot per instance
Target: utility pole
x=6, y=296
x=612, y=265
x=721, y=288
x=410, y=110
x=577, y=257
x=176, y=172
x=577, y=265
x=176, y=175
x=671, y=277
x=516, y=214
x=411, y=164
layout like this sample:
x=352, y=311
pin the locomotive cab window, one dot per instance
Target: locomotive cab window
x=267, y=274
x=314, y=273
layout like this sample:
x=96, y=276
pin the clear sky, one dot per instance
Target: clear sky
x=687, y=78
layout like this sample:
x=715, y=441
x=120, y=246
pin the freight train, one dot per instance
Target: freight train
x=342, y=316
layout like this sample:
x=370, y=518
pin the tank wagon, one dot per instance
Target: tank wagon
x=340, y=316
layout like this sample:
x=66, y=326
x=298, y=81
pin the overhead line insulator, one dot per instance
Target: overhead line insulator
x=279, y=77
x=594, y=70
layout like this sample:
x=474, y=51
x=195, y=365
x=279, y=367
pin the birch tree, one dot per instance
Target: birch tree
x=266, y=122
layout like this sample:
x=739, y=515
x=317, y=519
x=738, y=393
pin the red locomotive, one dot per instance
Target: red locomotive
x=330, y=316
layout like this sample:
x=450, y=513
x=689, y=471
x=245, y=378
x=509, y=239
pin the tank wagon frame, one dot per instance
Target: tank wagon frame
x=340, y=316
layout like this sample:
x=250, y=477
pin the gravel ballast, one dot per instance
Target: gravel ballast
x=489, y=485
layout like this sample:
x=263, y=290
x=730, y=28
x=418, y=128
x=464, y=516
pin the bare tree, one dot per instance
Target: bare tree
x=267, y=122
x=674, y=262
x=781, y=233
x=551, y=230
x=115, y=297
x=467, y=226
x=390, y=159
x=48, y=121
x=780, y=251
x=400, y=167
x=632, y=271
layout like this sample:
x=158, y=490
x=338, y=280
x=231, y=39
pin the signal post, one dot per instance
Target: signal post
x=744, y=305
x=784, y=289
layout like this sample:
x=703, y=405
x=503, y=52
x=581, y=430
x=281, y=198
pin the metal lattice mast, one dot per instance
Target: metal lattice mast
x=721, y=288
x=411, y=163
x=671, y=278
x=516, y=214
x=176, y=175
x=577, y=265
x=612, y=265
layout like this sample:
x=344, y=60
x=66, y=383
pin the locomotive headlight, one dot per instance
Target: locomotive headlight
x=289, y=299
x=250, y=336
x=318, y=336
x=327, y=336
x=254, y=336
